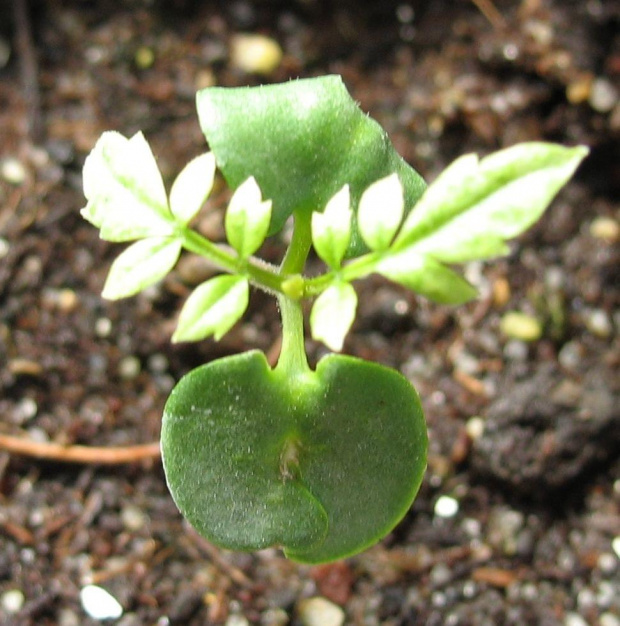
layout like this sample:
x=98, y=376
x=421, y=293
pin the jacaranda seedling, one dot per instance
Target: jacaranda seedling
x=323, y=462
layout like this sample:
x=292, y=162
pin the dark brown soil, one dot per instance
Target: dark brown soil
x=536, y=536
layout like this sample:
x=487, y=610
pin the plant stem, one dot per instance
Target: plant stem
x=358, y=268
x=293, y=360
x=259, y=273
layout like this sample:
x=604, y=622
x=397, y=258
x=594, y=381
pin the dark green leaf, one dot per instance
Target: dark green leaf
x=302, y=141
x=323, y=466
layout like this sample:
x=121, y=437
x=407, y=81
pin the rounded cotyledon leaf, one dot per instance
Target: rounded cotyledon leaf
x=322, y=465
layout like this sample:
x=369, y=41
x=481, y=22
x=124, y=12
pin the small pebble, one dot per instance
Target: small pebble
x=615, y=545
x=598, y=323
x=318, y=611
x=475, y=427
x=274, y=617
x=99, y=603
x=586, y=599
x=4, y=247
x=25, y=410
x=144, y=57
x=516, y=350
x=501, y=292
x=12, y=601
x=606, y=594
x=446, y=507
x=605, y=228
x=440, y=574
x=13, y=171
x=237, y=620
x=103, y=327
x=129, y=367
x=607, y=563
x=579, y=90
x=574, y=619
x=133, y=517
x=255, y=54
x=570, y=355
x=555, y=278
x=67, y=617
x=158, y=363
x=517, y=325
x=603, y=95
x=609, y=619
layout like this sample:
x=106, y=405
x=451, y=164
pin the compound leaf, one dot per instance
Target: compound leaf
x=125, y=192
x=213, y=308
x=331, y=230
x=192, y=187
x=380, y=212
x=332, y=314
x=247, y=219
x=141, y=265
x=474, y=206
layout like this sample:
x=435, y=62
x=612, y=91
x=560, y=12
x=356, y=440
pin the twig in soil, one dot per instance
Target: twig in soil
x=79, y=454
x=29, y=68
x=234, y=573
x=489, y=10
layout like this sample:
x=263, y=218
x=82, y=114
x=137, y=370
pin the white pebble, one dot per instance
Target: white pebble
x=237, y=620
x=516, y=350
x=603, y=95
x=320, y=612
x=26, y=409
x=609, y=619
x=103, y=327
x=4, y=247
x=475, y=427
x=446, y=506
x=607, y=563
x=133, y=517
x=615, y=545
x=13, y=171
x=129, y=367
x=574, y=619
x=13, y=600
x=605, y=228
x=598, y=323
x=255, y=54
x=100, y=604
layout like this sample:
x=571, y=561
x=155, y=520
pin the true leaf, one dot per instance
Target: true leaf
x=302, y=141
x=213, y=308
x=332, y=314
x=247, y=218
x=323, y=466
x=380, y=212
x=141, y=265
x=331, y=230
x=192, y=187
x=125, y=192
x=426, y=276
x=475, y=205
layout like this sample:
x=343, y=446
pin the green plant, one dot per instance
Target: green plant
x=321, y=462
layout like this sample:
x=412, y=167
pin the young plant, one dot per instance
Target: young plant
x=322, y=462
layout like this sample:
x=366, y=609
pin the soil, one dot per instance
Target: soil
x=524, y=436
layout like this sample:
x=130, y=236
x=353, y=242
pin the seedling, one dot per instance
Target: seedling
x=322, y=462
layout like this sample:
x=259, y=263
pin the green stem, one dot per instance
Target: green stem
x=259, y=273
x=358, y=268
x=293, y=360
